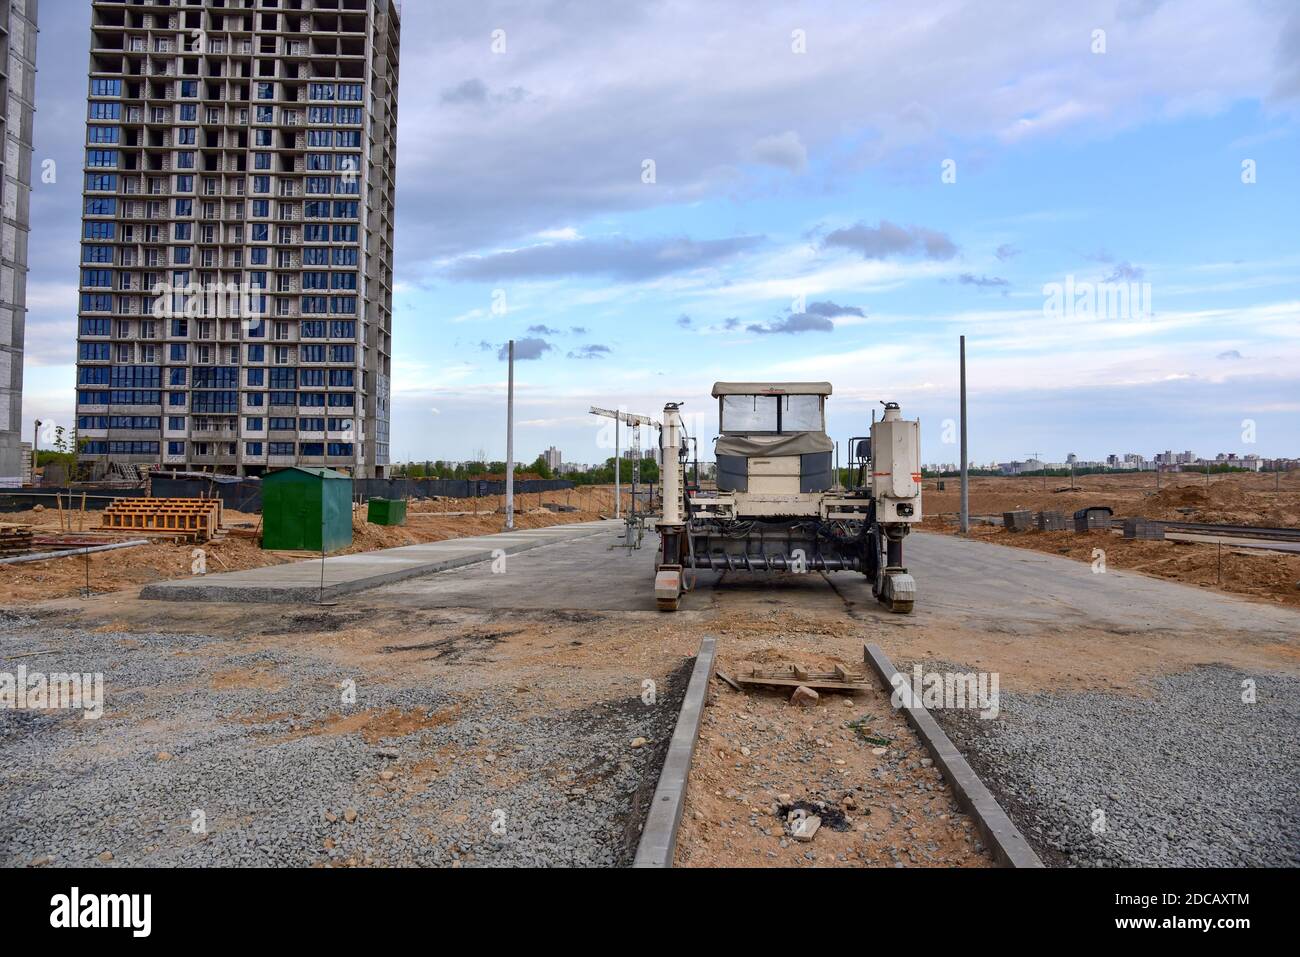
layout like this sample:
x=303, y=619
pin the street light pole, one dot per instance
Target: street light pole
x=36, y=447
x=965, y=460
x=510, y=443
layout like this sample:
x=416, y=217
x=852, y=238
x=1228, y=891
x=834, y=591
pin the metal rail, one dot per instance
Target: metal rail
x=50, y=556
x=1230, y=531
x=1204, y=528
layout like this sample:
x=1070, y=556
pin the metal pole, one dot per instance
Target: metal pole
x=636, y=466
x=965, y=477
x=618, y=504
x=510, y=443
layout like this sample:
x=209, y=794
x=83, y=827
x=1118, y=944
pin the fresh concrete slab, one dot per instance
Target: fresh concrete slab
x=317, y=580
x=1020, y=590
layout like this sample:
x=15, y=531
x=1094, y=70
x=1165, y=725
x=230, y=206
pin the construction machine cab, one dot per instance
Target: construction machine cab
x=772, y=437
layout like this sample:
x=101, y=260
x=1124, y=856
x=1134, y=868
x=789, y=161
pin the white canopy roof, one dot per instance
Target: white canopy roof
x=771, y=388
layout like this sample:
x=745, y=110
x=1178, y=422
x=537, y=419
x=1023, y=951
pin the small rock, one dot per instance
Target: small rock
x=350, y=815
x=106, y=856
x=805, y=829
x=164, y=756
x=878, y=752
x=386, y=775
x=746, y=752
x=639, y=742
x=804, y=696
x=927, y=762
x=331, y=817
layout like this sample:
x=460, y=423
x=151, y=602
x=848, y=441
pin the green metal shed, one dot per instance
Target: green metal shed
x=384, y=511
x=306, y=510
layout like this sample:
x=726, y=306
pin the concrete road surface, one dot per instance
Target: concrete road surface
x=967, y=581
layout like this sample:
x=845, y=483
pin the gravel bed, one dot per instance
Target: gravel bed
x=1188, y=777
x=494, y=788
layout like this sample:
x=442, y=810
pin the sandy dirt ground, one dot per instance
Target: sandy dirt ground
x=433, y=520
x=851, y=759
x=1231, y=499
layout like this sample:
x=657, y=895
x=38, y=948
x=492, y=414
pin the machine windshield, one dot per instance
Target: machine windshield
x=771, y=413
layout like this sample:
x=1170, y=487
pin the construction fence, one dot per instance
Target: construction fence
x=245, y=495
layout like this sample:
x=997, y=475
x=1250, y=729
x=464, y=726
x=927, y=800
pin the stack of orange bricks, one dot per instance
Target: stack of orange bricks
x=185, y=519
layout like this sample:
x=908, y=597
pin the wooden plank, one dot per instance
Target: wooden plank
x=723, y=676
x=826, y=684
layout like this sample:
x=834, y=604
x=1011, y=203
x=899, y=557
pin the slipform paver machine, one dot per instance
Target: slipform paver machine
x=778, y=505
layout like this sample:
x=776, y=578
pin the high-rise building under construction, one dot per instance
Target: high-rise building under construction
x=17, y=109
x=236, y=267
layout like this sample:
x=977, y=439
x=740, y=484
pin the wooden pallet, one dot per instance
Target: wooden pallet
x=15, y=540
x=188, y=519
x=793, y=676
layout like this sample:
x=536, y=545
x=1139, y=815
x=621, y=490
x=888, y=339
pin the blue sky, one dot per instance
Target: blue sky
x=799, y=225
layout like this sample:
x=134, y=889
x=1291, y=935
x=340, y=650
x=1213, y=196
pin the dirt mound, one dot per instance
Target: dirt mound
x=1186, y=496
x=1228, y=502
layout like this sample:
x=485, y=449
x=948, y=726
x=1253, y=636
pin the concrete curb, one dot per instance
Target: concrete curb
x=659, y=836
x=191, y=590
x=1009, y=846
